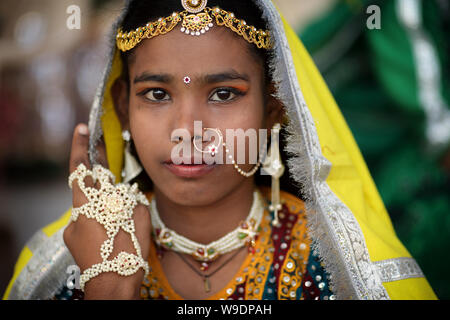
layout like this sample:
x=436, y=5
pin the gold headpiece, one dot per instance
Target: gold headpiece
x=197, y=20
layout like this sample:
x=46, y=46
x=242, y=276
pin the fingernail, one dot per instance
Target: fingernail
x=83, y=129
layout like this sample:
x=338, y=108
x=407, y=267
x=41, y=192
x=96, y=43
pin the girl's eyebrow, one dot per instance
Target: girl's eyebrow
x=225, y=76
x=209, y=78
x=146, y=77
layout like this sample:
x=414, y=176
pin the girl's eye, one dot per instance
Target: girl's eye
x=157, y=95
x=222, y=95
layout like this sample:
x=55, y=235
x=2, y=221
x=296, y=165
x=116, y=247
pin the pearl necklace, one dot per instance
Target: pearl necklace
x=245, y=234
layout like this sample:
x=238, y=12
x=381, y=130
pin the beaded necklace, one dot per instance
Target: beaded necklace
x=245, y=234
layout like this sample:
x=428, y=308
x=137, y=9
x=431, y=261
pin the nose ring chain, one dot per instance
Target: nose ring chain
x=213, y=149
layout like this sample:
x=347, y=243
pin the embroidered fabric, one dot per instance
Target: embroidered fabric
x=398, y=269
x=46, y=273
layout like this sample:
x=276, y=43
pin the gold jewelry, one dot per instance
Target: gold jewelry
x=274, y=166
x=213, y=149
x=196, y=19
x=198, y=22
x=239, y=170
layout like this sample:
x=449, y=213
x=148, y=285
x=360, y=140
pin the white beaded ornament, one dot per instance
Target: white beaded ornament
x=113, y=207
x=244, y=234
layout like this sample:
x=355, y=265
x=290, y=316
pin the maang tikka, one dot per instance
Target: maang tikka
x=196, y=19
x=131, y=167
x=196, y=22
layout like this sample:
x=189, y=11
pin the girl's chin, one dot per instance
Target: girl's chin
x=193, y=193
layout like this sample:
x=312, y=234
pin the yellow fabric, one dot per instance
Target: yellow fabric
x=112, y=130
x=349, y=172
x=410, y=289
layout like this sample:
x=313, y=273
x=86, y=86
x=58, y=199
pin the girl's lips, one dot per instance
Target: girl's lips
x=189, y=171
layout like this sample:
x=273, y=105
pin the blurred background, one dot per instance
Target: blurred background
x=389, y=72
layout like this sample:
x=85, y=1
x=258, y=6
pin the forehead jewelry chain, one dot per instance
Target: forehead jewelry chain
x=196, y=19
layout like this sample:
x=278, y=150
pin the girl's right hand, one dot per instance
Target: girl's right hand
x=84, y=237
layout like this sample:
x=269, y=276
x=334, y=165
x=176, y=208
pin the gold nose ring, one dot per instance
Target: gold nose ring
x=211, y=149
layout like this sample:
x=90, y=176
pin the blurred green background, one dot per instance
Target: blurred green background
x=392, y=85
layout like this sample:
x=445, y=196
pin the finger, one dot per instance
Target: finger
x=80, y=147
x=79, y=155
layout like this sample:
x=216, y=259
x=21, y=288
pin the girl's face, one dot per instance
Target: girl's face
x=226, y=91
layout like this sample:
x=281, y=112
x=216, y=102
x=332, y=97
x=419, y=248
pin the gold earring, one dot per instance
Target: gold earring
x=274, y=167
x=131, y=168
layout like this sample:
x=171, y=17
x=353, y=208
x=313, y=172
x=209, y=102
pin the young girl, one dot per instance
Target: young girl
x=222, y=229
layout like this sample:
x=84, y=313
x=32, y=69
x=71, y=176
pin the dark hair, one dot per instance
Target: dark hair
x=141, y=12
